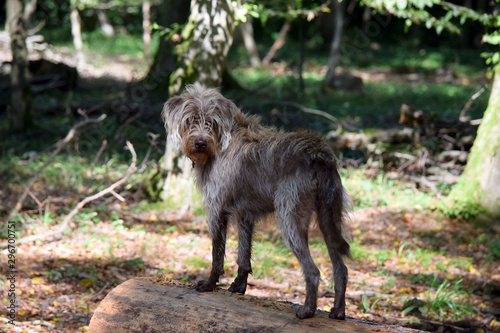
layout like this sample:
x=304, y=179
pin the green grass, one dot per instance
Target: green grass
x=95, y=42
x=268, y=257
x=197, y=262
x=446, y=300
x=369, y=108
x=382, y=191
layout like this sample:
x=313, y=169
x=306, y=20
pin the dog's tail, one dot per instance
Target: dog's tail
x=333, y=207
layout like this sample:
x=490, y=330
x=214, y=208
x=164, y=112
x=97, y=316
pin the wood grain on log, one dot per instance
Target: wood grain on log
x=141, y=305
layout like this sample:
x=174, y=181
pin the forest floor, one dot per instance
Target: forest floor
x=441, y=265
x=411, y=265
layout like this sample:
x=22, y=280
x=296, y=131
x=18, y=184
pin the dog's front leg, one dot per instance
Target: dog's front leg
x=218, y=231
x=245, y=232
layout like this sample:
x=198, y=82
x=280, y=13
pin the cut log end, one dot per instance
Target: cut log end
x=142, y=305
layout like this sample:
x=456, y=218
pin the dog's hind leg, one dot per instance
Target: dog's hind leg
x=297, y=240
x=218, y=231
x=294, y=219
x=245, y=232
x=330, y=210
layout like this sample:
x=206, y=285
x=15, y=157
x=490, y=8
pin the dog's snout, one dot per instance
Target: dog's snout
x=200, y=144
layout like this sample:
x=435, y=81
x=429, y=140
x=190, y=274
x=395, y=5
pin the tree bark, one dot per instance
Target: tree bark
x=333, y=59
x=146, y=23
x=76, y=31
x=106, y=27
x=207, y=39
x=480, y=181
x=140, y=305
x=157, y=81
x=20, y=105
x=246, y=30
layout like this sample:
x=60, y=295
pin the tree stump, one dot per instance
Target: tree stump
x=141, y=305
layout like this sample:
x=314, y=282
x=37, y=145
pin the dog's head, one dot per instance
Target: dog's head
x=200, y=122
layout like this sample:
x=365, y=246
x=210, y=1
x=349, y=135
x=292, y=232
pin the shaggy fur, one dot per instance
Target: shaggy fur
x=246, y=171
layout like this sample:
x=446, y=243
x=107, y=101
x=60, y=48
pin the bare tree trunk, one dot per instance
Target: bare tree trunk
x=302, y=48
x=334, y=57
x=76, y=31
x=246, y=30
x=106, y=27
x=20, y=105
x=146, y=23
x=480, y=182
x=208, y=37
x=29, y=10
x=278, y=43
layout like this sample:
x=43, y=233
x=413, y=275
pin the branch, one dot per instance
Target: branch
x=467, y=105
x=313, y=111
x=65, y=222
x=59, y=146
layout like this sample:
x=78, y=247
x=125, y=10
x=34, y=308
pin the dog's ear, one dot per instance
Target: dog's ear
x=171, y=115
x=171, y=108
x=227, y=111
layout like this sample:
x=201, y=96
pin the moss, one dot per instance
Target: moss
x=478, y=185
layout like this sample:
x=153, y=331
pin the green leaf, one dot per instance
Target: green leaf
x=402, y=4
x=429, y=22
x=439, y=29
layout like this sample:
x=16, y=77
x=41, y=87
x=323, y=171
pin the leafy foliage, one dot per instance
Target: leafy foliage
x=451, y=17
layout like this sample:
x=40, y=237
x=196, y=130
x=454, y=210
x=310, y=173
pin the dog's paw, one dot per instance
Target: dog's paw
x=305, y=312
x=203, y=286
x=234, y=288
x=239, y=285
x=340, y=315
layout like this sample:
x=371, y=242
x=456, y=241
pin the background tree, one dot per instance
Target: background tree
x=20, y=105
x=173, y=14
x=207, y=38
x=76, y=31
x=480, y=182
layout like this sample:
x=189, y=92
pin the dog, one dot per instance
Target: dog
x=247, y=171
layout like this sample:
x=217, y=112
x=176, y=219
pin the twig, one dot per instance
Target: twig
x=98, y=155
x=467, y=105
x=278, y=43
x=314, y=111
x=126, y=123
x=59, y=146
x=65, y=222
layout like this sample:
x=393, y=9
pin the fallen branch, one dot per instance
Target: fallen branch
x=65, y=222
x=313, y=111
x=467, y=105
x=278, y=43
x=59, y=146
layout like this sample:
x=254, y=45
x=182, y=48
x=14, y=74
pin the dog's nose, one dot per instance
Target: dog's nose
x=200, y=144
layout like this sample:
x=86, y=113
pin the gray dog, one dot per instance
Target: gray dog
x=246, y=171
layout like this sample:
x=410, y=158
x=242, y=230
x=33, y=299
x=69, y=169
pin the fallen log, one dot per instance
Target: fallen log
x=360, y=140
x=142, y=305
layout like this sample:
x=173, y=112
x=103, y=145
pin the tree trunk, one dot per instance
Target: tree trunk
x=333, y=59
x=146, y=23
x=207, y=39
x=140, y=305
x=20, y=105
x=246, y=30
x=106, y=27
x=157, y=81
x=76, y=31
x=480, y=182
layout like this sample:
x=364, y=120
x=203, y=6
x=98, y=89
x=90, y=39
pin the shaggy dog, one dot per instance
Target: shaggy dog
x=246, y=171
